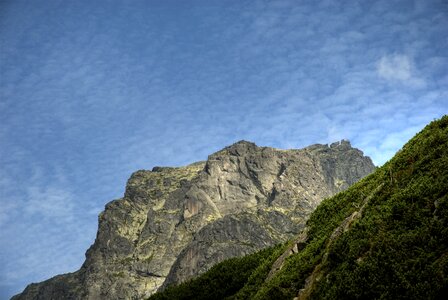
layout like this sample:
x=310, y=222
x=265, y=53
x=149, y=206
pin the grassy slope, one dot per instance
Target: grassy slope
x=398, y=249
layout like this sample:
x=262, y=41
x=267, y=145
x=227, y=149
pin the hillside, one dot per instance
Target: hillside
x=176, y=223
x=386, y=237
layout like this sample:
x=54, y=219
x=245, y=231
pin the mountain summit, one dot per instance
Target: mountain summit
x=175, y=223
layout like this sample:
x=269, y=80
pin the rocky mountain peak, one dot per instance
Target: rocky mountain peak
x=175, y=223
x=343, y=144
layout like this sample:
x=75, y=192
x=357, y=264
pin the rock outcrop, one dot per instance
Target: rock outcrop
x=175, y=223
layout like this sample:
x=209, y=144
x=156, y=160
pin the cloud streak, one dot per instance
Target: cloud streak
x=85, y=103
x=399, y=68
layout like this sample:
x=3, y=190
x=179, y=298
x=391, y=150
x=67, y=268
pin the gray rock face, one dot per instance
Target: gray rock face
x=175, y=223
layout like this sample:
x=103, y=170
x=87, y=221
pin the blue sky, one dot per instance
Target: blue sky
x=91, y=91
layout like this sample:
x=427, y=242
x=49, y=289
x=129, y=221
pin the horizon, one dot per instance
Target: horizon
x=91, y=92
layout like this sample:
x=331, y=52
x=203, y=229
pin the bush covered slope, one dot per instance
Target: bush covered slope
x=385, y=237
x=223, y=280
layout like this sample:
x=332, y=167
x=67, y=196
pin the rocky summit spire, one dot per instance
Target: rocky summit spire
x=175, y=223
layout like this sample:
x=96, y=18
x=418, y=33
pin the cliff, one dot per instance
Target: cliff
x=175, y=223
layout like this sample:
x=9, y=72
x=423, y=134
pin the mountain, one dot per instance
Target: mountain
x=386, y=237
x=175, y=223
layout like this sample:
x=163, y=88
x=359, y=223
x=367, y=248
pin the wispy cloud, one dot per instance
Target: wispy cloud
x=50, y=203
x=40, y=229
x=395, y=67
x=399, y=68
x=84, y=104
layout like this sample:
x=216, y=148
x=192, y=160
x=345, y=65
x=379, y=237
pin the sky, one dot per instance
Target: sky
x=91, y=91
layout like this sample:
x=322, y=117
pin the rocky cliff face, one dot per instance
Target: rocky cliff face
x=175, y=223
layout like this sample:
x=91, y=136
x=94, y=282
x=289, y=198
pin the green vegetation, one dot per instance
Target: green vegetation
x=224, y=279
x=399, y=249
x=119, y=274
x=386, y=237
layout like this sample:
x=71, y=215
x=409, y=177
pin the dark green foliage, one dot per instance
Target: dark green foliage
x=397, y=249
x=258, y=276
x=226, y=278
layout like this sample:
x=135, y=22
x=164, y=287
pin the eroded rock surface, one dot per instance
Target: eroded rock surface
x=175, y=223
